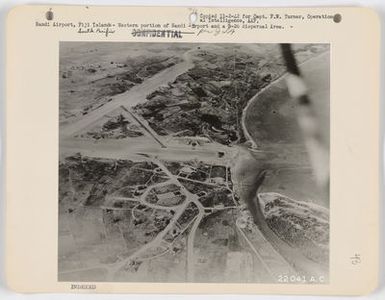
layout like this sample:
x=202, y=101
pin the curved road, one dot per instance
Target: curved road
x=247, y=175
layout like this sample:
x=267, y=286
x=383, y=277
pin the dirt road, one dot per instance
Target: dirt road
x=130, y=98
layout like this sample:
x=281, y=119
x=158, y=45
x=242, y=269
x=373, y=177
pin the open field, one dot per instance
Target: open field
x=91, y=73
x=158, y=181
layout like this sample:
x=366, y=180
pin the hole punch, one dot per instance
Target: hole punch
x=49, y=15
x=337, y=18
x=193, y=17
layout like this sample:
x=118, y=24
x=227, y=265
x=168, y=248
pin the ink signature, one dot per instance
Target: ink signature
x=217, y=31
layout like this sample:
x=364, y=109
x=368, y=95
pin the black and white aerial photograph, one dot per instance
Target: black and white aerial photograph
x=193, y=162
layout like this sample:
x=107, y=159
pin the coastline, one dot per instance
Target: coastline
x=254, y=181
x=254, y=98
